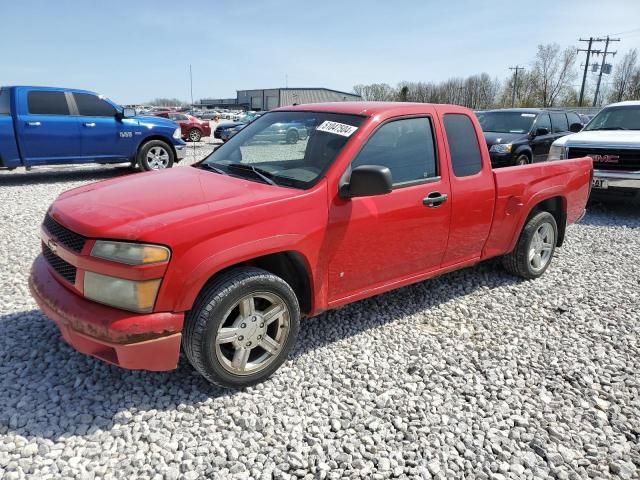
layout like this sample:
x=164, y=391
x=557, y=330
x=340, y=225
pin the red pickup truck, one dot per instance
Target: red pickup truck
x=222, y=259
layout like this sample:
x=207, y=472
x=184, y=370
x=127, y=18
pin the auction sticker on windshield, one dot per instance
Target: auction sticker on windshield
x=337, y=128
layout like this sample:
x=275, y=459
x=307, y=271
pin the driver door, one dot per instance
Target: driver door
x=383, y=239
x=104, y=136
x=540, y=144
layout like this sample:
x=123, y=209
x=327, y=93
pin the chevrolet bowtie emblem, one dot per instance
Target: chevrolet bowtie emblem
x=52, y=246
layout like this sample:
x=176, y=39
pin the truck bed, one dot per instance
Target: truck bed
x=519, y=188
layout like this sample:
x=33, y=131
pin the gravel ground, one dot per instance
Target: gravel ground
x=472, y=375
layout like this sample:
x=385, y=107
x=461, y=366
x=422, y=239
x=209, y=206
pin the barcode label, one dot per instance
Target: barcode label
x=337, y=128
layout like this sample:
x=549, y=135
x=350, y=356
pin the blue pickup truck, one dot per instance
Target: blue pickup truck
x=55, y=126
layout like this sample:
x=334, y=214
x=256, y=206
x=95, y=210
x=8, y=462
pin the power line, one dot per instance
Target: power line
x=515, y=69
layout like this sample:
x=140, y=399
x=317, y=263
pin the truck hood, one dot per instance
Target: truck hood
x=603, y=138
x=128, y=207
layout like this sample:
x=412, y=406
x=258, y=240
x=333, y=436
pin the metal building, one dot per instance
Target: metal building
x=270, y=98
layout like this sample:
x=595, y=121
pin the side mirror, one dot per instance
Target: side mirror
x=541, y=131
x=575, y=127
x=128, y=113
x=367, y=180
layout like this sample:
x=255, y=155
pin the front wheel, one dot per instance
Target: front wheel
x=155, y=155
x=535, y=247
x=242, y=327
x=522, y=160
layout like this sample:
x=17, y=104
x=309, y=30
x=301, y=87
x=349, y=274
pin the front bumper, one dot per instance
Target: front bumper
x=618, y=179
x=501, y=159
x=125, y=339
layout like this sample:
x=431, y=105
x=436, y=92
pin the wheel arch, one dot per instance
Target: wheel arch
x=556, y=206
x=150, y=138
x=290, y=265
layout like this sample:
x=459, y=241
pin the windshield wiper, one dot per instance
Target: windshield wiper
x=212, y=168
x=261, y=173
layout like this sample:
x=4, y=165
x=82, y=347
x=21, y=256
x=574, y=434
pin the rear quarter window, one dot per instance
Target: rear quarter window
x=466, y=158
x=5, y=105
x=559, y=122
x=47, y=103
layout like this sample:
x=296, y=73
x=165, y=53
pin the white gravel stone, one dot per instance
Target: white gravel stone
x=475, y=374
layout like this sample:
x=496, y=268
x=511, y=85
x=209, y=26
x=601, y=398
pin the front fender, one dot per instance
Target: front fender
x=197, y=277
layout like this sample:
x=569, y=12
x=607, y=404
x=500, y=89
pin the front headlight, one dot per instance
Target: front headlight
x=556, y=152
x=130, y=253
x=177, y=133
x=501, y=148
x=120, y=293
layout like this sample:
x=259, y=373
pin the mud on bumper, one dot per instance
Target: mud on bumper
x=125, y=339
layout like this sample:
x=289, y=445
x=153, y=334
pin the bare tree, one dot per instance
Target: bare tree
x=375, y=92
x=553, y=71
x=167, y=102
x=622, y=84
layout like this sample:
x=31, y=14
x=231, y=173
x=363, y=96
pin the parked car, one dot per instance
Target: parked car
x=191, y=127
x=52, y=126
x=210, y=115
x=228, y=130
x=612, y=140
x=518, y=136
x=288, y=132
x=256, y=236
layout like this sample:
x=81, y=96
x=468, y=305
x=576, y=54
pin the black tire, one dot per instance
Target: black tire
x=518, y=262
x=293, y=136
x=195, y=135
x=144, y=162
x=523, y=159
x=208, y=316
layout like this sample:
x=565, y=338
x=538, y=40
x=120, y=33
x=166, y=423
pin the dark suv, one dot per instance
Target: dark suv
x=517, y=136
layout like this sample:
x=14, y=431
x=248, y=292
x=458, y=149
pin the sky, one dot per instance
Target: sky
x=135, y=51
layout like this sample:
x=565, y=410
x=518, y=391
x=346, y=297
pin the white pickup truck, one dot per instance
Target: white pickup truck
x=612, y=140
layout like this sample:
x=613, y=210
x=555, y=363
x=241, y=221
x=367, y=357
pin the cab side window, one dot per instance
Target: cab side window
x=559, y=122
x=93, y=106
x=405, y=146
x=47, y=103
x=466, y=158
x=543, y=121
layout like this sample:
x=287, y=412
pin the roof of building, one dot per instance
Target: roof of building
x=301, y=88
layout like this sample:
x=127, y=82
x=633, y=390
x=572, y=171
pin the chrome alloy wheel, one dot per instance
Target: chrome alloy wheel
x=252, y=333
x=541, y=246
x=157, y=158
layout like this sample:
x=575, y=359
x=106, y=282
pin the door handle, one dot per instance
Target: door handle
x=90, y=124
x=435, y=199
x=34, y=124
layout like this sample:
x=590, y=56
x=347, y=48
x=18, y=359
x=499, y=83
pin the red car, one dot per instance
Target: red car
x=260, y=234
x=192, y=128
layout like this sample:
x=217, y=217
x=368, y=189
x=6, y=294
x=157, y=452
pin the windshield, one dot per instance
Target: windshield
x=616, y=118
x=506, y=122
x=291, y=148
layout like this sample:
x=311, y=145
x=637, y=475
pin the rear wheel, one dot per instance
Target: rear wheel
x=195, y=135
x=155, y=155
x=535, y=247
x=242, y=327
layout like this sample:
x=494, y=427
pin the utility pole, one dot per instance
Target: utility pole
x=604, y=58
x=515, y=69
x=191, y=83
x=586, y=67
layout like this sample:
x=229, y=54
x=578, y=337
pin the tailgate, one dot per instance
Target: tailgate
x=519, y=189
